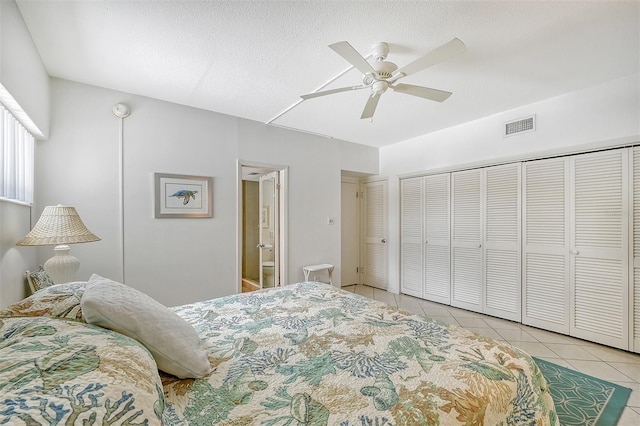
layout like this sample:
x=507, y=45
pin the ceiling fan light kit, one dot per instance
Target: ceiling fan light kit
x=382, y=75
x=379, y=87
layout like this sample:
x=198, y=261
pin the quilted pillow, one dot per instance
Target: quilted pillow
x=58, y=301
x=172, y=341
x=38, y=279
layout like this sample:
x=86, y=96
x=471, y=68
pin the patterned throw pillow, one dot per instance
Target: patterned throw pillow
x=58, y=301
x=38, y=279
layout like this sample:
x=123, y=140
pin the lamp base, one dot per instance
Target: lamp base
x=62, y=267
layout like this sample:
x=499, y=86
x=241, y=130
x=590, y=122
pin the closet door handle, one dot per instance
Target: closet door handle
x=384, y=240
x=575, y=252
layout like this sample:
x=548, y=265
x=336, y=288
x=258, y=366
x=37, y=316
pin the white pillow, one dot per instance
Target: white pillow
x=172, y=341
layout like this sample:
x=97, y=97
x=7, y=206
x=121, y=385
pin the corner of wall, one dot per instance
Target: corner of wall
x=359, y=158
x=22, y=72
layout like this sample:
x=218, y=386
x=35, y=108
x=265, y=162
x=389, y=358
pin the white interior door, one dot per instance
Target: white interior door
x=350, y=253
x=437, y=243
x=576, y=246
x=600, y=247
x=269, y=230
x=545, y=257
x=411, y=235
x=502, y=271
x=635, y=260
x=375, y=248
x=466, y=244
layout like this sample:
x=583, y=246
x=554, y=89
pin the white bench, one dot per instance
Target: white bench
x=316, y=268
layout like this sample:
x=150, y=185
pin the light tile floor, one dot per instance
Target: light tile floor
x=614, y=365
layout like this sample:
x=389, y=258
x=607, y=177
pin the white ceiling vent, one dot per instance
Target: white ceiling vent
x=522, y=125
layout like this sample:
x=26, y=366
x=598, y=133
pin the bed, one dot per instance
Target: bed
x=303, y=354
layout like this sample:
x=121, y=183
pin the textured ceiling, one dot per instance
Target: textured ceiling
x=253, y=59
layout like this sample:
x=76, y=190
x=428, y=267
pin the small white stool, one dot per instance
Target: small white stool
x=316, y=268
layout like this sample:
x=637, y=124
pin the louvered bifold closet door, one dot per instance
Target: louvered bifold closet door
x=411, y=222
x=437, y=253
x=600, y=247
x=545, y=245
x=502, y=277
x=466, y=243
x=375, y=256
x=635, y=274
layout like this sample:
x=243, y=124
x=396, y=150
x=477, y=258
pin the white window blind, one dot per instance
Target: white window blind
x=17, y=148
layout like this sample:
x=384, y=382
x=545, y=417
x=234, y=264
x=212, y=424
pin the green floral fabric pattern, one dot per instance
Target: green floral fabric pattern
x=310, y=354
x=57, y=301
x=39, y=279
x=62, y=372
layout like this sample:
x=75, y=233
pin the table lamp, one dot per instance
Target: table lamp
x=59, y=225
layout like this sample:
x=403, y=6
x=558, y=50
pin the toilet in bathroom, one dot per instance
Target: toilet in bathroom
x=267, y=271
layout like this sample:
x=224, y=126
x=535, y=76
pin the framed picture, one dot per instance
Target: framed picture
x=183, y=196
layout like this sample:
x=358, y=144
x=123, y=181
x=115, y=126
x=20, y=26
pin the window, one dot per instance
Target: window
x=17, y=153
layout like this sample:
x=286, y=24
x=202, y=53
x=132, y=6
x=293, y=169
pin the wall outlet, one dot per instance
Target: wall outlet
x=330, y=221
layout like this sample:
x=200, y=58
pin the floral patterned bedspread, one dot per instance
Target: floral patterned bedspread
x=310, y=354
x=62, y=372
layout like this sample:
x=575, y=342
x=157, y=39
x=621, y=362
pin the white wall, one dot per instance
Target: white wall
x=22, y=72
x=607, y=114
x=14, y=261
x=23, y=76
x=182, y=260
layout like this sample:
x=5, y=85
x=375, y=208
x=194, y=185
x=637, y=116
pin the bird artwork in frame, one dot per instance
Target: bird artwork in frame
x=183, y=196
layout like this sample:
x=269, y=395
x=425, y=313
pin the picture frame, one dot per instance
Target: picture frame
x=183, y=196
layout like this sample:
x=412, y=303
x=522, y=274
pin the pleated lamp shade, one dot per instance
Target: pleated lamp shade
x=59, y=225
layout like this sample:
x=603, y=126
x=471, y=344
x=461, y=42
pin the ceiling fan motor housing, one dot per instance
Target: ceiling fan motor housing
x=384, y=69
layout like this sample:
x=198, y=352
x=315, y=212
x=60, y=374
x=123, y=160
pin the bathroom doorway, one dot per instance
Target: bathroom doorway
x=262, y=203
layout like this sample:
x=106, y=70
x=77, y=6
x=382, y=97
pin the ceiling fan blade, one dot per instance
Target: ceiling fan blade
x=446, y=51
x=422, y=92
x=332, y=91
x=370, y=107
x=352, y=56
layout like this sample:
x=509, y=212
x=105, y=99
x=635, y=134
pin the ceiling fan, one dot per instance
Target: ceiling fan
x=382, y=75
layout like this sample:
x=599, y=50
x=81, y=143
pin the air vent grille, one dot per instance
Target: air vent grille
x=522, y=125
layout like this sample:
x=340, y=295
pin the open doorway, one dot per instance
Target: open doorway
x=262, y=206
x=350, y=232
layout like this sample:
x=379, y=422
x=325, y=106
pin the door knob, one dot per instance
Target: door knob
x=575, y=252
x=260, y=245
x=384, y=240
